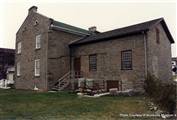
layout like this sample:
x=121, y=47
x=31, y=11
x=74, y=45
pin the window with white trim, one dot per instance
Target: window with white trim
x=38, y=41
x=18, y=68
x=37, y=67
x=19, y=46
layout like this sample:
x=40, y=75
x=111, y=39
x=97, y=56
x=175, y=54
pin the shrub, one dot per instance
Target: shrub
x=163, y=94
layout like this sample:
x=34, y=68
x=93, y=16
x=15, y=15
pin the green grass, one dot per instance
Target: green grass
x=29, y=105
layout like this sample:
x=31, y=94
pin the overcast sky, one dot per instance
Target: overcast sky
x=105, y=15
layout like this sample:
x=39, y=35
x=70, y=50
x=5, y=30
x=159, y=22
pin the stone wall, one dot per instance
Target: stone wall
x=27, y=36
x=109, y=60
x=159, y=55
x=58, y=55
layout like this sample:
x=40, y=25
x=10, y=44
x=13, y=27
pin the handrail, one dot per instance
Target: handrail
x=65, y=75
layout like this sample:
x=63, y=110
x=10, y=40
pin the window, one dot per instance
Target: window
x=19, y=45
x=18, y=69
x=126, y=60
x=157, y=36
x=93, y=62
x=38, y=41
x=37, y=67
x=36, y=23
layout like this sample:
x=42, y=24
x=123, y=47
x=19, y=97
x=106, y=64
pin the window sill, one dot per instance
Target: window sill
x=36, y=75
x=126, y=69
x=37, y=48
x=93, y=71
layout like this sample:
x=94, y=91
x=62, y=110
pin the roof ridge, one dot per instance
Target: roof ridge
x=128, y=30
x=69, y=25
x=157, y=20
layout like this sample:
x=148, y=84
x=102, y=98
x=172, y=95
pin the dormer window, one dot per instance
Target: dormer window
x=38, y=41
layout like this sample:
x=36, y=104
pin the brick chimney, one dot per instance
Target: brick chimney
x=32, y=9
x=92, y=29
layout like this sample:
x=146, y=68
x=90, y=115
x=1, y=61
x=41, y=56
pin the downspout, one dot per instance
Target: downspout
x=70, y=61
x=145, y=53
x=46, y=71
x=70, y=66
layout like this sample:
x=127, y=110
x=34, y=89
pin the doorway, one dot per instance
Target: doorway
x=77, y=67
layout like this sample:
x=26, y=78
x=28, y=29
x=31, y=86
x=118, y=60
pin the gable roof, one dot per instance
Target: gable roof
x=56, y=25
x=125, y=31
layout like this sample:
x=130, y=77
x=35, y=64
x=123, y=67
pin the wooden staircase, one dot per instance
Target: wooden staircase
x=65, y=80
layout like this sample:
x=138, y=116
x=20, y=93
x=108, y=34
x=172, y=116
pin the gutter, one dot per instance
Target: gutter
x=71, y=67
x=68, y=30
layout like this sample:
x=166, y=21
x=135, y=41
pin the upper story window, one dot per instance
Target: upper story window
x=126, y=60
x=36, y=22
x=37, y=67
x=19, y=45
x=18, y=68
x=38, y=41
x=157, y=35
x=93, y=62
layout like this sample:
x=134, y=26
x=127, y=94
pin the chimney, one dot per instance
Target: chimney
x=92, y=29
x=32, y=9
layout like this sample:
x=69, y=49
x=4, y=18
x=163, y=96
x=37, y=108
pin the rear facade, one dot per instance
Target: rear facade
x=53, y=55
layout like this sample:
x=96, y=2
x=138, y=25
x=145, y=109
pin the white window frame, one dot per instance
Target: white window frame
x=19, y=47
x=38, y=41
x=37, y=67
x=18, y=68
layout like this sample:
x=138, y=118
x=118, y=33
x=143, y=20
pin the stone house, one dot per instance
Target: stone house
x=50, y=53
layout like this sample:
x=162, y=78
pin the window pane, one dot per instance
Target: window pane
x=126, y=60
x=19, y=48
x=37, y=67
x=18, y=69
x=38, y=41
x=92, y=62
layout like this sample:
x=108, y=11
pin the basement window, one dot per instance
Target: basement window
x=37, y=67
x=93, y=62
x=126, y=60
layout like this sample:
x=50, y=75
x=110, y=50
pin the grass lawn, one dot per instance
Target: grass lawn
x=29, y=105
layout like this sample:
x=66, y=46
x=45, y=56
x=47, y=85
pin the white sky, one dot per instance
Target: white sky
x=106, y=15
